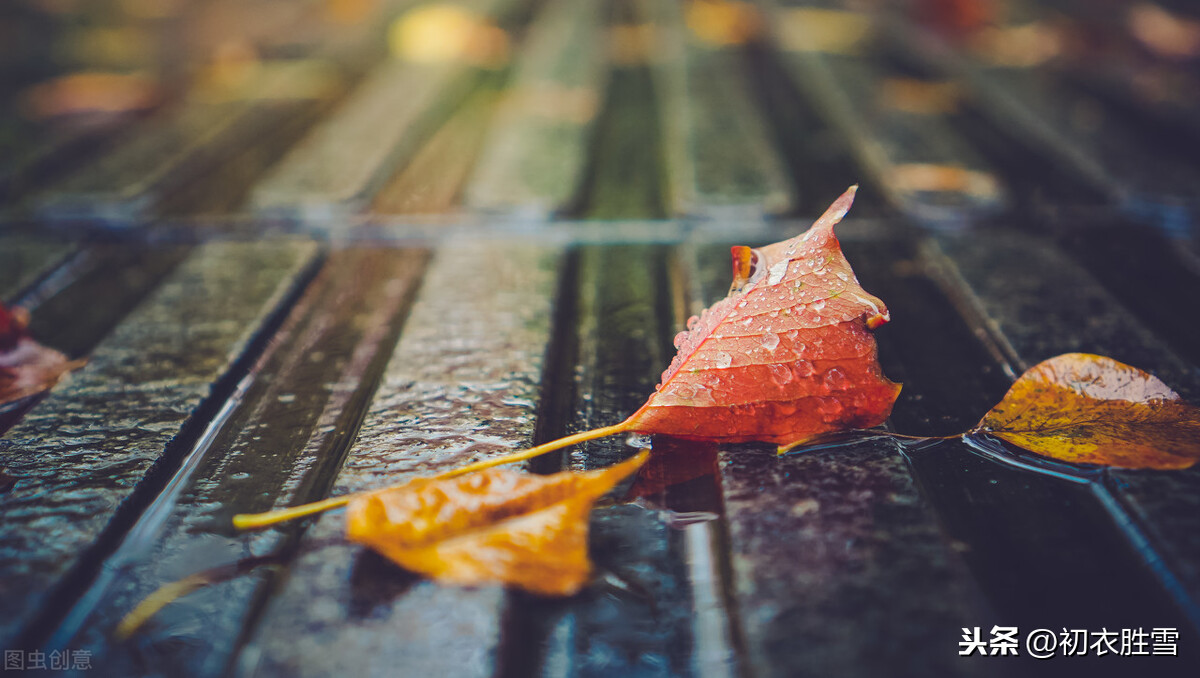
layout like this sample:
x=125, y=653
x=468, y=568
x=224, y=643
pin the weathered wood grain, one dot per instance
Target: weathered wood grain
x=533, y=163
x=81, y=455
x=720, y=161
x=463, y=383
x=290, y=431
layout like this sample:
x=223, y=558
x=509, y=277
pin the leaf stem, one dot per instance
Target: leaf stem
x=253, y=521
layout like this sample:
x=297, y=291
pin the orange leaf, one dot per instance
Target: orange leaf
x=786, y=356
x=1091, y=409
x=489, y=526
x=26, y=367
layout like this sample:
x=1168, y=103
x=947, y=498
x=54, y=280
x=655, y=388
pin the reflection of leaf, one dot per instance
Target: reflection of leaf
x=26, y=367
x=491, y=526
x=786, y=356
x=673, y=463
x=1092, y=409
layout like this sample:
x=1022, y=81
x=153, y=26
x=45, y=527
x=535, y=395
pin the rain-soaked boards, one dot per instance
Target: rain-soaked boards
x=358, y=243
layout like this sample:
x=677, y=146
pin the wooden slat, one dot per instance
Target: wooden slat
x=534, y=161
x=636, y=620
x=813, y=537
x=1038, y=545
x=1039, y=304
x=80, y=455
x=720, y=159
x=895, y=125
x=624, y=177
x=281, y=446
x=1137, y=169
x=462, y=384
x=24, y=259
x=159, y=158
x=432, y=182
x=339, y=167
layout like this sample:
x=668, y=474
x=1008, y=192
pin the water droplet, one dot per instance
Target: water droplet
x=835, y=379
x=748, y=321
x=792, y=334
x=776, y=272
x=685, y=392
x=818, y=305
x=781, y=374
x=742, y=304
x=843, y=276
x=692, y=322
x=829, y=408
x=803, y=368
x=642, y=442
x=770, y=341
x=723, y=360
x=680, y=338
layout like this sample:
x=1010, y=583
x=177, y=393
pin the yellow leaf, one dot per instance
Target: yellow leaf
x=491, y=526
x=1091, y=409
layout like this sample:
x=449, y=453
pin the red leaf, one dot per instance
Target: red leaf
x=786, y=356
x=26, y=367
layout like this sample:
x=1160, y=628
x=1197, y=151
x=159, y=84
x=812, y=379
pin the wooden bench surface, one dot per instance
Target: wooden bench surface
x=318, y=290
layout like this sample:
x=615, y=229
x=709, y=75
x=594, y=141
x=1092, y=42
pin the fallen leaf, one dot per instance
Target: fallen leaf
x=786, y=356
x=26, y=367
x=490, y=526
x=1091, y=409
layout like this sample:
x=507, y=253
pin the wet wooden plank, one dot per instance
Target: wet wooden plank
x=894, y=123
x=281, y=446
x=463, y=383
x=1037, y=304
x=432, y=181
x=533, y=163
x=24, y=259
x=637, y=618
x=865, y=582
x=624, y=177
x=720, y=159
x=1038, y=545
x=340, y=166
x=82, y=454
x=155, y=160
x=48, y=154
x=1134, y=166
x=1139, y=266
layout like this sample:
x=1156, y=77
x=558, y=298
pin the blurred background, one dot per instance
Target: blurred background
x=120, y=112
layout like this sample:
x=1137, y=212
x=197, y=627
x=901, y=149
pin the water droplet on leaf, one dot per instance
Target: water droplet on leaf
x=770, y=341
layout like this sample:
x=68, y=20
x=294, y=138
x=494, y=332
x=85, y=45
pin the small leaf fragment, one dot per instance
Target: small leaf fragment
x=1085, y=408
x=26, y=367
x=491, y=526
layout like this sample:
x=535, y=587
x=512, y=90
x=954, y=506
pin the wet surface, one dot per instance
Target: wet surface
x=24, y=259
x=634, y=618
x=280, y=446
x=1061, y=310
x=463, y=383
x=234, y=377
x=109, y=427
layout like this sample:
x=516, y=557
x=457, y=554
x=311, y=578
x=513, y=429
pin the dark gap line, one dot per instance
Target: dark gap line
x=75, y=582
x=521, y=648
x=320, y=479
x=818, y=159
